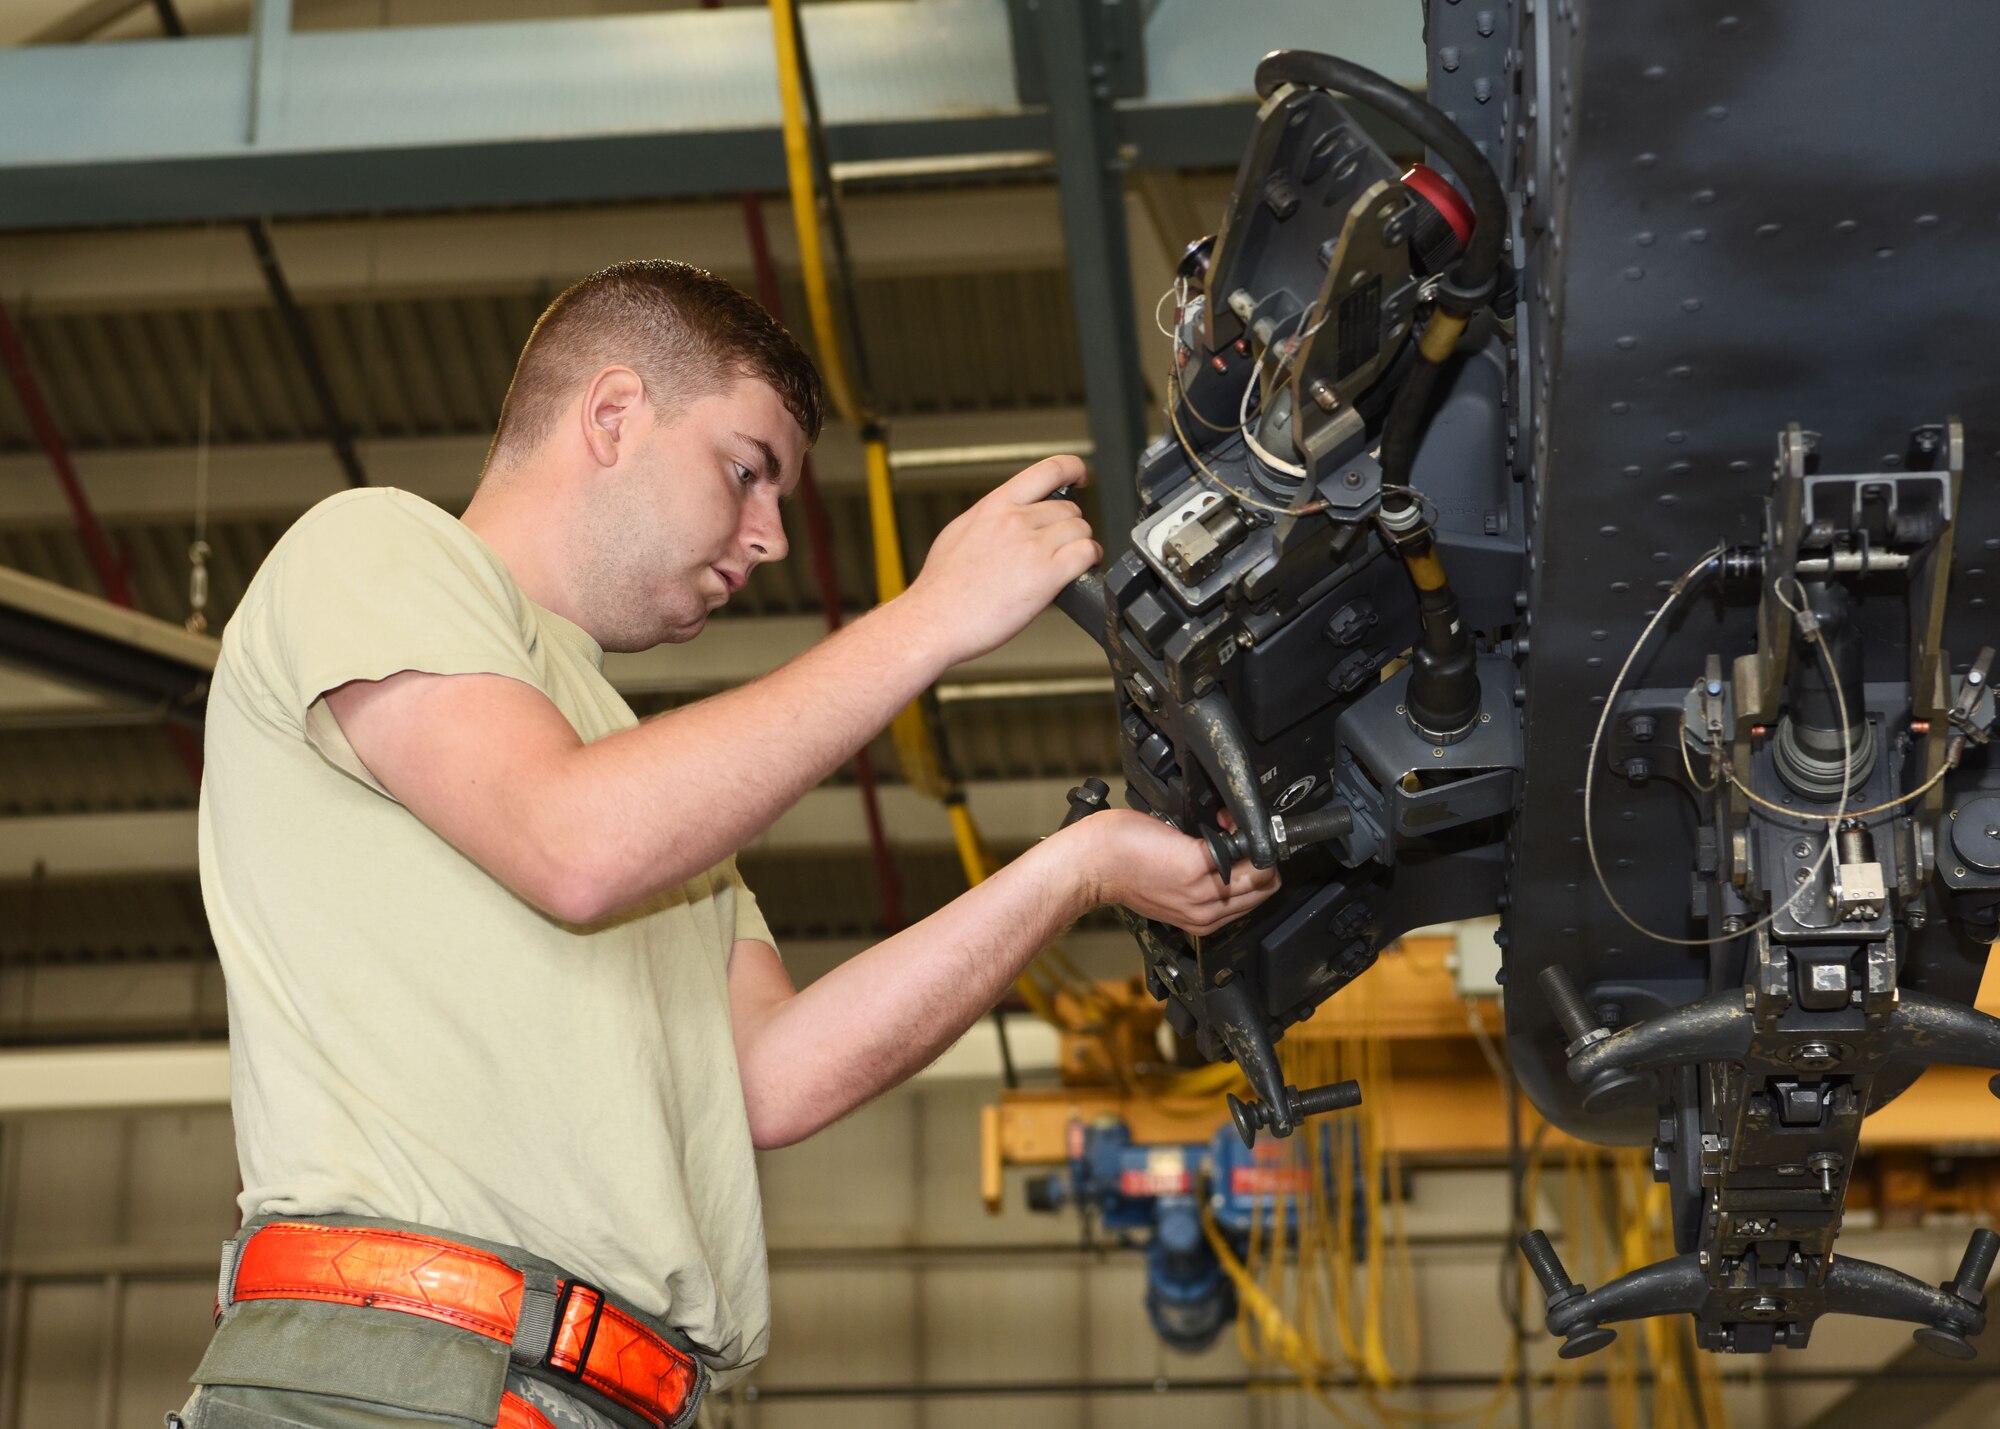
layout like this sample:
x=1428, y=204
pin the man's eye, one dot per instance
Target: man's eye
x=743, y=473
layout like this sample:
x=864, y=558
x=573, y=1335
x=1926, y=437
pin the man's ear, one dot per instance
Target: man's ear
x=610, y=405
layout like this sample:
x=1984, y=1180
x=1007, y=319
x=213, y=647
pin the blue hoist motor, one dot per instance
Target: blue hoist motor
x=1156, y=1191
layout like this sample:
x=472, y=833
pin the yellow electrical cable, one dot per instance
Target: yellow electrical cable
x=916, y=750
x=805, y=221
x=1318, y=1229
x=1272, y=1328
x=1266, y=1332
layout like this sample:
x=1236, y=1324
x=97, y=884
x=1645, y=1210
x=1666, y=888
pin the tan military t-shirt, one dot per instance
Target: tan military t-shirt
x=408, y=1039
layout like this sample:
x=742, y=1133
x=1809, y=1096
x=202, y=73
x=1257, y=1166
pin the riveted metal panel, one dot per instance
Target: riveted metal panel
x=1743, y=216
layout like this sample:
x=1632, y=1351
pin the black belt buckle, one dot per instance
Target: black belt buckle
x=570, y=1287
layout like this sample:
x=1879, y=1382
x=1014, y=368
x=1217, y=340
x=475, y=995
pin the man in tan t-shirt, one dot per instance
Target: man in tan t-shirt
x=493, y=976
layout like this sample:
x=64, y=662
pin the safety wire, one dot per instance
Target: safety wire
x=1176, y=402
x=1811, y=634
x=1052, y=987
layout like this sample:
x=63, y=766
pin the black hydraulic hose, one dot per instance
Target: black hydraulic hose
x=1470, y=284
x=1403, y=431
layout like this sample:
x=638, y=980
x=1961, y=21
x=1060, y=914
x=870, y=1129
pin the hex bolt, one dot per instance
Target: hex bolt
x=1968, y=1287
x=1642, y=728
x=1086, y=799
x=1610, y=1088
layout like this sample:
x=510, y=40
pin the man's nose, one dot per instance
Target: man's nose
x=766, y=536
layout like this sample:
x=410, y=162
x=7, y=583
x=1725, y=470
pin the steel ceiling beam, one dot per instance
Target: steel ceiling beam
x=961, y=452
x=90, y=642
x=339, y=432
x=1077, y=47
x=417, y=118
x=157, y=843
x=74, y=649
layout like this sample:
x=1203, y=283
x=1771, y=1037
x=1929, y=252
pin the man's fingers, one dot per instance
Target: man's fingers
x=1046, y=476
x=1048, y=513
x=1212, y=916
x=1058, y=534
x=1248, y=873
x=1079, y=558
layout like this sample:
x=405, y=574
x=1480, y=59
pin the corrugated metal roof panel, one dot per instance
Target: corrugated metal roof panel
x=432, y=366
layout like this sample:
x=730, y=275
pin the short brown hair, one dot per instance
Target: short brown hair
x=685, y=332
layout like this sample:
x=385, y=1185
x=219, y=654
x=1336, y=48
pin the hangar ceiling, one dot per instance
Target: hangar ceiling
x=964, y=303
x=186, y=408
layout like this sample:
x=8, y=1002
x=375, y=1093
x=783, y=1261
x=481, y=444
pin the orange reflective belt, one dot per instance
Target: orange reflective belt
x=594, y=1344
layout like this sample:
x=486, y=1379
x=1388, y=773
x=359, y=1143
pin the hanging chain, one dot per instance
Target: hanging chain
x=199, y=551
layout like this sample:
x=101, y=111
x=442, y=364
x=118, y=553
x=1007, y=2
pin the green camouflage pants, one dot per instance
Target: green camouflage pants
x=237, y=1407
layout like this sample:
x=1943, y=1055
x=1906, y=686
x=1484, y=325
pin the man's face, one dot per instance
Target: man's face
x=683, y=521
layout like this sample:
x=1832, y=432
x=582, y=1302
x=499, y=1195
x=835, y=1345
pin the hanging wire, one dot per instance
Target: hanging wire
x=199, y=550
x=1247, y=498
x=1674, y=593
x=1322, y=1311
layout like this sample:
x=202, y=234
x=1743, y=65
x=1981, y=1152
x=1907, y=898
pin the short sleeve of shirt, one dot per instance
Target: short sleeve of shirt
x=750, y=922
x=373, y=584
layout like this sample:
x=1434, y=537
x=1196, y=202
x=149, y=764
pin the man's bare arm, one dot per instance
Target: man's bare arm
x=584, y=830
x=806, y=1059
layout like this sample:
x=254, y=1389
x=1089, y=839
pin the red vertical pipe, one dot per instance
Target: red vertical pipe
x=110, y=569
x=104, y=560
x=826, y=574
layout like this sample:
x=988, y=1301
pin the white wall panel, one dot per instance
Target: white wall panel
x=165, y=1330
x=64, y=1355
x=839, y=1324
x=184, y=1179
x=854, y=1185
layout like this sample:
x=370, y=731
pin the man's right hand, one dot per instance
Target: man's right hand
x=1000, y=563
x=1161, y=873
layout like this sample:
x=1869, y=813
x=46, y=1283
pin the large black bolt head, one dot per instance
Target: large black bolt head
x=1585, y=1340
x=1943, y=1340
